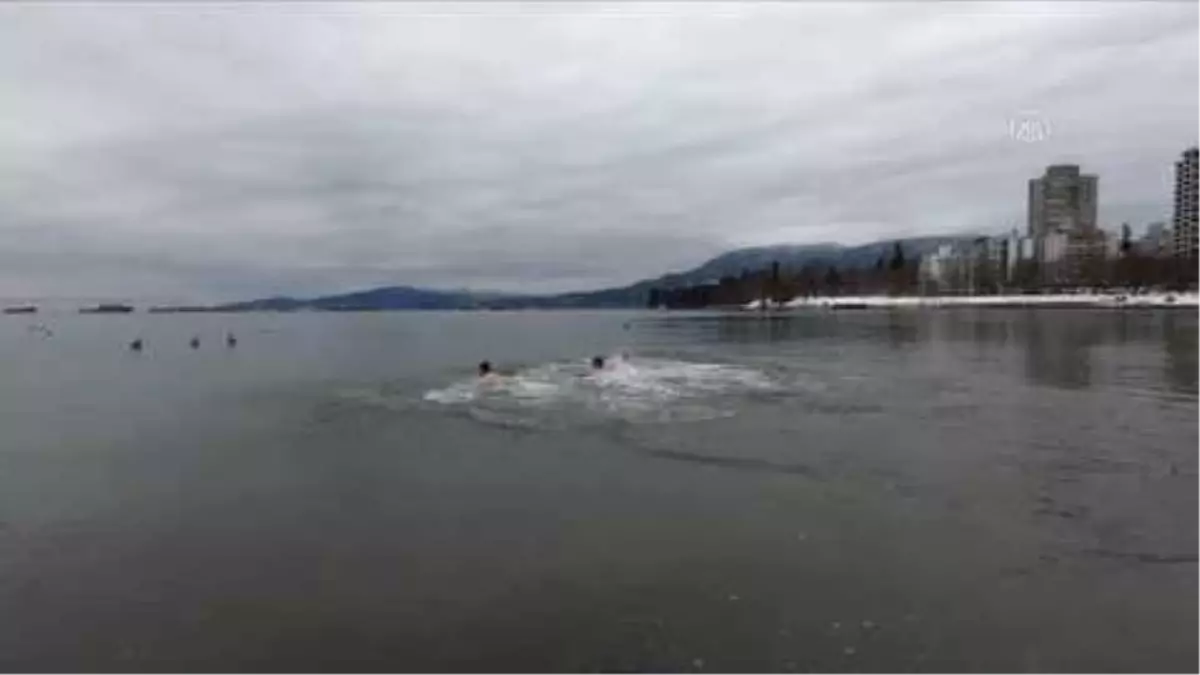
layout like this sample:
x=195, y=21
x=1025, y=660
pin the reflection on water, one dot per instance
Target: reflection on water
x=1058, y=352
x=1179, y=339
x=1057, y=347
x=902, y=330
x=952, y=490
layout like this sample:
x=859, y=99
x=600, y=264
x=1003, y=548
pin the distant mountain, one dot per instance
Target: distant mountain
x=395, y=297
x=387, y=298
x=733, y=263
x=796, y=257
x=758, y=258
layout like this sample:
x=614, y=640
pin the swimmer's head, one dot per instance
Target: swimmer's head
x=485, y=367
x=597, y=362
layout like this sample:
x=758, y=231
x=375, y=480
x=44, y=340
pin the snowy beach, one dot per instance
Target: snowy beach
x=1182, y=300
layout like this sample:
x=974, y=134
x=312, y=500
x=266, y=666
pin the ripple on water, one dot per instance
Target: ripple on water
x=631, y=390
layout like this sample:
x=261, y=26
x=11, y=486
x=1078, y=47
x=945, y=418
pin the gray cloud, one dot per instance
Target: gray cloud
x=219, y=151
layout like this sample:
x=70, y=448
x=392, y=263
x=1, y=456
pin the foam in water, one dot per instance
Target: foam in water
x=635, y=390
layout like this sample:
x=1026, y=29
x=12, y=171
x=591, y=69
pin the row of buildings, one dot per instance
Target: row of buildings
x=1063, y=244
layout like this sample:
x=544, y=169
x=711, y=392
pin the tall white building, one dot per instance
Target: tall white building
x=1062, y=221
x=1062, y=200
x=1185, y=225
x=1054, y=248
x=1028, y=248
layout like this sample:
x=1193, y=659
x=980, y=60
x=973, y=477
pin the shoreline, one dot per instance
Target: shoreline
x=1149, y=300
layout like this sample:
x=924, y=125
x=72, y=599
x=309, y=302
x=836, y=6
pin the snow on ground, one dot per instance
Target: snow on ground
x=1056, y=300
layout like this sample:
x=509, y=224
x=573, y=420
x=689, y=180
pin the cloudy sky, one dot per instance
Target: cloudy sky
x=205, y=152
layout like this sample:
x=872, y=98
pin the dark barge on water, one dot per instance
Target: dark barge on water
x=109, y=308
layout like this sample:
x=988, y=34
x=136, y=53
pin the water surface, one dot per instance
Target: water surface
x=911, y=491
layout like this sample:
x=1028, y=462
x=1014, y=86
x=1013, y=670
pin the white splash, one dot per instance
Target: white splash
x=633, y=389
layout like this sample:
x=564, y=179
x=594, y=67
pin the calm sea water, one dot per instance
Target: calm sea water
x=946, y=490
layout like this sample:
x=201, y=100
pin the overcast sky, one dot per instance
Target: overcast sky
x=206, y=152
